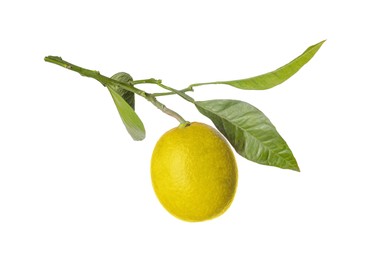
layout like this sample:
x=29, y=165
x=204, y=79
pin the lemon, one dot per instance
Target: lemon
x=194, y=172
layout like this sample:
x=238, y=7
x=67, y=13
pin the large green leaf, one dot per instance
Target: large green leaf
x=273, y=78
x=128, y=96
x=130, y=119
x=249, y=131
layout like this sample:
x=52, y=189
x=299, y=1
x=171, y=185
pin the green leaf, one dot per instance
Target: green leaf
x=249, y=131
x=128, y=96
x=273, y=78
x=129, y=118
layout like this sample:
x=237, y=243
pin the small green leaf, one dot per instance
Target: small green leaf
x=273, y=78
x=130, y=119
x=128, y=96
x=249, y=131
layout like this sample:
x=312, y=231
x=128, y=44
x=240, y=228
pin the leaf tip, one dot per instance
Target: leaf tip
x=321, y=43
x=139, y=137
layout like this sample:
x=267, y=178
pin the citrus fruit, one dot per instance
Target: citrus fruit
x=194, y=172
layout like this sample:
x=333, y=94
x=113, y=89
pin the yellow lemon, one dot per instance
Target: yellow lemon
x=194, y=172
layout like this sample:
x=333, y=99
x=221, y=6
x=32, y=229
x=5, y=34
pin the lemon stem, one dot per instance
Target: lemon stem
x=158, y=82
x=109, y=81
x=165, y=109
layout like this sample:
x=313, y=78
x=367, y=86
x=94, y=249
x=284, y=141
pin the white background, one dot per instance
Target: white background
x=73, y=184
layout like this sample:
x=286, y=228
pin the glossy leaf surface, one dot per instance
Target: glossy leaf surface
x=273, y=78
x=128, y=96
x=249, y=131
x=129, y=117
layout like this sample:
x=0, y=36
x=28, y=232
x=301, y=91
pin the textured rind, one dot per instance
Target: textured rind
x=194, y=172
